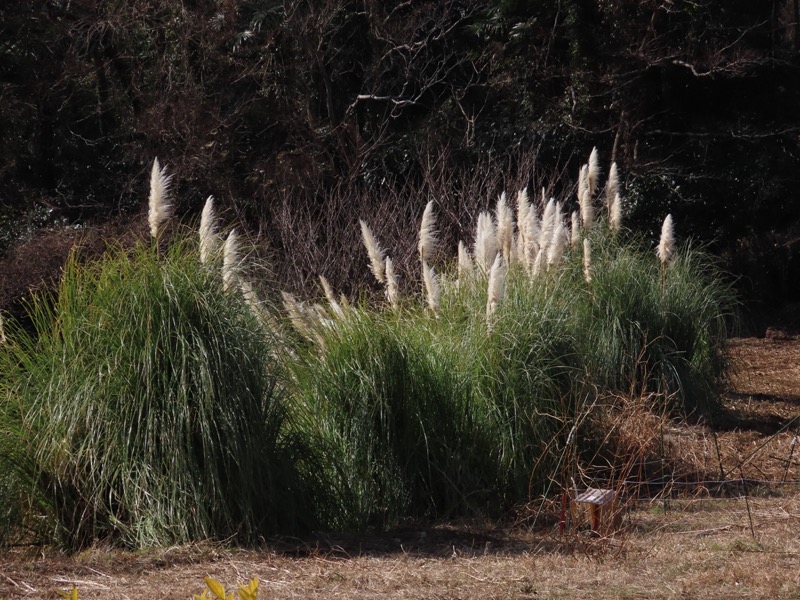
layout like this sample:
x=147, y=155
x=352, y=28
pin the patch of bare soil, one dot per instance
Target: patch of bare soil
x=698, y=545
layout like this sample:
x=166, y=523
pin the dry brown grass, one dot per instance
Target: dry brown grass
x=697, y=547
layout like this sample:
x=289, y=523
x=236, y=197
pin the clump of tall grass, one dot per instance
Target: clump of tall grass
x=150, y=403
x=22, y=503
x=412, y=413
x=160, y=401
x=388, y=417
x=475, y=397
x=645, y=327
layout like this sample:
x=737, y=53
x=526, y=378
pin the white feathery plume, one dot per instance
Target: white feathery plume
x=523, y=210
x=533, y=238
x=593, y=173
x=612, y=185
x=208, y=231
x=485, y=242
x=230, y=261
x=248, y=293
x=575, y=229
x=301, y=319
x=582, y=183
x=431, y=287
x=505, y=227
x=336, y=308
x=615, y=213
x=533, y=228
x=376, y=260
x=497, y=282
x=294, y=310
x=548, y=224
x=517, y=249
x=392, y=288
x=531, y=233
x=160, y=207
x=540, y=258
x=466, y=269
x=585, y=198
x=320, y=316
x=327, y=289
x=559, y=240
x=587, y=260
x=524, y=233
x=558, y=217
x=666, y=246
x=427, y=233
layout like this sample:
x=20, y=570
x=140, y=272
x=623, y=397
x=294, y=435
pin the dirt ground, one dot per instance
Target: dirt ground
x=739, y=541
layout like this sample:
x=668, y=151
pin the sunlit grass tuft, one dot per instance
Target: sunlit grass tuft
x=150, y=401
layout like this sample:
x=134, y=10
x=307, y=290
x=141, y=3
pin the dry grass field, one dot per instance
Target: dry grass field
x=742, y=543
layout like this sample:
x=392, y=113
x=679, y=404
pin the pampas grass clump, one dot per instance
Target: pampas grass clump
x=151, y=404
x=500, y=365
x=160, y=401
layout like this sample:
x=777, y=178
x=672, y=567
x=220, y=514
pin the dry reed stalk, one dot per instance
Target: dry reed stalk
x=2, y=331
x=485, y=242
x=432, y=289
x=376, y=259
x=666, y=245
x=208, y=233
x=230, y=261
x=160, y=208
x=392, y=287
x=496, y=289
x=427, y=233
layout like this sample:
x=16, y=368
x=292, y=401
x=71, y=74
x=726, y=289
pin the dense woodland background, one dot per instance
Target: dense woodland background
x=300, y=117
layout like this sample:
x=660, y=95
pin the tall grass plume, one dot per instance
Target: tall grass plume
x=160, y=207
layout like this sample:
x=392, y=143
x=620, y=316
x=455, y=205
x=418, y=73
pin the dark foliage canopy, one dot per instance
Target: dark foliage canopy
x=296, y=113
